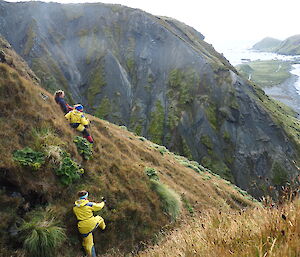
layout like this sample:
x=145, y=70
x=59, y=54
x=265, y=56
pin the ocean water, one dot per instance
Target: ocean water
x=238, y=52
x=296, y=71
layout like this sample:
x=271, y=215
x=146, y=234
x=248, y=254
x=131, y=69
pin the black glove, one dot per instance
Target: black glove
x=103, y=199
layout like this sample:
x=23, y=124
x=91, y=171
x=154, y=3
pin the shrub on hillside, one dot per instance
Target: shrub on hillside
x=151, y=173
x=41, y=237
x=68, y=171
x=29, y=157
x=84, y=148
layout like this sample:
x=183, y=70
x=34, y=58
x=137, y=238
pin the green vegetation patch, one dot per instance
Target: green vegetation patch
x=151, y=173
x=84, y=148
x=266, y=73
x=187, y=205
x=190, y=164
x=69, y=170
x=41, y=237
x=170, y=200
x=181, y=84
x=130, y=54
x=104, y=108
x=282, y=115
x=160, y=148
x=29, y=157
x=156, y=123
x=206, y=140
x=280, y=176
x=211, y=112
x=96, y=83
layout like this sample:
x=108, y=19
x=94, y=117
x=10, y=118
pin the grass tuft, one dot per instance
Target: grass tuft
x=42, y=237
x=170, y=200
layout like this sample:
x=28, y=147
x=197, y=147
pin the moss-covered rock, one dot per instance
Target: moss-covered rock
x=156, y=124
x=104, y=108
x=96, y=83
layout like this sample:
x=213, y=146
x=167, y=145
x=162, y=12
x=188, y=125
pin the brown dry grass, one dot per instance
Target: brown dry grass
x=134, y=211
x=258, y=232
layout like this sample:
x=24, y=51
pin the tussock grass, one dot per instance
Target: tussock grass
x=45, y=137
x=170, y=200
x=42, y=237
x=253, y=232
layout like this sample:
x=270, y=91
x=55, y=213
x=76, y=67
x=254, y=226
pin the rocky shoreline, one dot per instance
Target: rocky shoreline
x=286, y=93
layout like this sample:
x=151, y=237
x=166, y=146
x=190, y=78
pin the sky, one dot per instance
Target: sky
x=224, y=20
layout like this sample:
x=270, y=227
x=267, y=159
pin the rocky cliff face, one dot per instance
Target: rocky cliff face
x=158, y=77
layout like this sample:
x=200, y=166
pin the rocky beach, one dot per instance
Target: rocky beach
x=286, y=93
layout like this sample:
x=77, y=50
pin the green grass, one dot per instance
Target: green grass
x=42, y=237
x=266, y=73
x=283, y=115
x=156, y=123
x=104, y=108
x=170, y=200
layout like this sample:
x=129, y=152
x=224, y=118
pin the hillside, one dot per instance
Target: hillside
x=290, y=46
x=256, y=232
x=137, y=177
x=158, y=77
x=267, y=44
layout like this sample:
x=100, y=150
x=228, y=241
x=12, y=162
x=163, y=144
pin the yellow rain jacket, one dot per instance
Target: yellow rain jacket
x=87, y=222
x=77, y=117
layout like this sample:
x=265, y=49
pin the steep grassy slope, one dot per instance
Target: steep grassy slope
x=35, y=196
x=158, y=77
x=257, y=232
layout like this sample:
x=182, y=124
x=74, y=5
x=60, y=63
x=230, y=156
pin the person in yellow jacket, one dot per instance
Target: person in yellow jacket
x=79, y=121
x=87, y=222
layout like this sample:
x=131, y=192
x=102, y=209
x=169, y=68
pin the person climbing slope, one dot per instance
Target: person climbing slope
x=79, y=121
x=87, y=222
x=59, y=99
